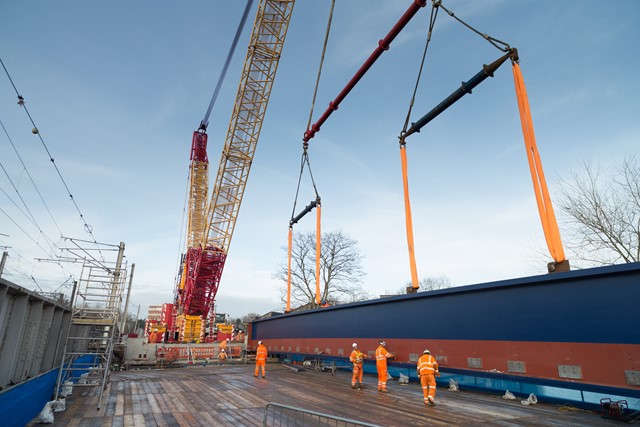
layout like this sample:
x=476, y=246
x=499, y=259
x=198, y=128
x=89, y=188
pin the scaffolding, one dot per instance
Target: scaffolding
x=97, y=304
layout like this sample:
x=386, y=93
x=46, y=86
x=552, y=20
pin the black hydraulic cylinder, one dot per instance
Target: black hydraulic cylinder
x=305, y=211
x=466, y=87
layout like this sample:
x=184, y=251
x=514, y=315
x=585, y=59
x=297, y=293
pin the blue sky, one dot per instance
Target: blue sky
x=117, y=89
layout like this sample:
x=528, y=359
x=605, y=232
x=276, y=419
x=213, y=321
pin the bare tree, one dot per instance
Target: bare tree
x=340, y=270
x=601, y=208
x=429, y=284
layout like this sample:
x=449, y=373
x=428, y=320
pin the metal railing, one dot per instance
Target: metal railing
x=289, y=416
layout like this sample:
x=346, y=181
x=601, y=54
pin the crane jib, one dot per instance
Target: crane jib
x=466, y=87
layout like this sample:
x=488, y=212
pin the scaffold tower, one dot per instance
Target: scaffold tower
x=97, y=305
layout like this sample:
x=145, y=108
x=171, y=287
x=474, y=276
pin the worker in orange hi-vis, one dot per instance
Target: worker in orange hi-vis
x=261, y=359
x=153, y=337
x=222, y=356
x=381, y=364
x=356, y=358
x=428, y=371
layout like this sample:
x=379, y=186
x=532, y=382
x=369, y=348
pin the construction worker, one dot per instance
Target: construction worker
x=222, y=356
x=381, y=364
x=261, y=359
x=153, y=337
x=356, y=358
x=428, y=371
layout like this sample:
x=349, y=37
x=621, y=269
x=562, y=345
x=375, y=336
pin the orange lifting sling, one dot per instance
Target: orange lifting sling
x=545, y=208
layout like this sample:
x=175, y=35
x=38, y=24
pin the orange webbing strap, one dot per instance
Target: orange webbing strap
x=318, y=245
x=545, y=208
x=289, y=271
x=408, y=220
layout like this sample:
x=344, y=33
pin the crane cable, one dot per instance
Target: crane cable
x=316, y=203
x=403, y=156
x=294, y=219
x=223, y=73
x=543, y=199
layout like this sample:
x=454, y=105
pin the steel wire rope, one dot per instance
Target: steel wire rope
x=324, y=50
x=495, y=42
x=35, y=130
x=305, y=160
x=223, y=73
x=543, y=200
x=305, y=156
x=403, y=153
x=432, y=22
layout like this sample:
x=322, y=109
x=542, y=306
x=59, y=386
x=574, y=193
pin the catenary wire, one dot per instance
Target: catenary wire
x=21, y=102
x=30, y=178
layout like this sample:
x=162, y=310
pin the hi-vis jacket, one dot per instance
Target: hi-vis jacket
x=382, y=355
x=356, y=357
x=427, y=365
x=261, y=354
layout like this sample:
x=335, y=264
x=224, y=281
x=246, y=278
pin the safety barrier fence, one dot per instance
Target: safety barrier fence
x=289, y=416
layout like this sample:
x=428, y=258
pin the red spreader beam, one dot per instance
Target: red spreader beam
x=382, y=46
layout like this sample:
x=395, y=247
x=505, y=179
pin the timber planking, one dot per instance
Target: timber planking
x=229, y=395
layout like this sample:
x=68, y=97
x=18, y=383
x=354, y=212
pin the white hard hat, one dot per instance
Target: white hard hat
x=382, y=343
x=426, y=352
x=259, y=342
x=354, y=344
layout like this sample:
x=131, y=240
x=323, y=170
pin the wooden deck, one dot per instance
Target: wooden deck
x=230, y=395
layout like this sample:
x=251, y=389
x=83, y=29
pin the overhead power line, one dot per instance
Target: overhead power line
x=30, y=177
x=36, y=132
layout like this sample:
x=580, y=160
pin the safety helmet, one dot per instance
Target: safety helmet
x=155, y=330
x=354, y=345
x=426, y=352
x=259, y=342
x=383, y=343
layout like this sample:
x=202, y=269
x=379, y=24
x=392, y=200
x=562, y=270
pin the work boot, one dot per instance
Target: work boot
x=360, y=386
x=353, y=386
x=384, y=391
x=432, y=402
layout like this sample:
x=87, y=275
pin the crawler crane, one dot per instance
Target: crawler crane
x=210, y=226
